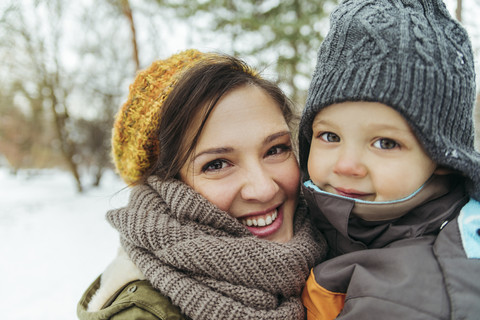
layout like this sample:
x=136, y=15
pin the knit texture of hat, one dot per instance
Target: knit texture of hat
x=134, y=141
x=411, y=56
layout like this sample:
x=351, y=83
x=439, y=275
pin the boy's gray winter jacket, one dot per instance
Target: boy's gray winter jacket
x=423, y=265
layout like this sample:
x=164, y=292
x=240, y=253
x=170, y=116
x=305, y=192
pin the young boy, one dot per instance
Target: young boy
x=391, y=174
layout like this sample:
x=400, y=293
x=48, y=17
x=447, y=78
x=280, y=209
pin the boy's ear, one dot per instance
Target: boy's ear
x=442, y=171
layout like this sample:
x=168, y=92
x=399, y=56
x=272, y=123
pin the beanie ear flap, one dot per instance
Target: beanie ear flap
x=304, y=147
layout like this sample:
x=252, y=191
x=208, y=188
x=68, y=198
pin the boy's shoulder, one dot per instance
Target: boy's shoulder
x=460, y=237
x=391, y=280
x=469, y=227
x=457, y=249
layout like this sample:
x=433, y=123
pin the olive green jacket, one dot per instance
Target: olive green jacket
x=135, y=300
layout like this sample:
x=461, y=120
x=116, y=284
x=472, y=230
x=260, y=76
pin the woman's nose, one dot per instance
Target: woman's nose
x=350, y=163
x=259, y=185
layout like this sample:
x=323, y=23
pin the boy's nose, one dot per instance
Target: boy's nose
x=260, y=186
x=350, y=164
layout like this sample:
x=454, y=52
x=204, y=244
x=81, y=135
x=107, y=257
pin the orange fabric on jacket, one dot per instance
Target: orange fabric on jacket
x=321, y=303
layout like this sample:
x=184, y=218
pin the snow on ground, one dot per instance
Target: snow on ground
x=53, y=241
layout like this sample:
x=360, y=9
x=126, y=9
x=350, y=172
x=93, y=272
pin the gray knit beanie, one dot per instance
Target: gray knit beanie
x=412, y=56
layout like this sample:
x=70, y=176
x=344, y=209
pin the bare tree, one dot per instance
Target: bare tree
x=284, y=35
x=126, y=10
x=107, y=69
x=68, y=105
x=458, y=11
x=39, y=72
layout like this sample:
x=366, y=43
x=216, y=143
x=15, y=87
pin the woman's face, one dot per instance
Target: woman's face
x=244, y=163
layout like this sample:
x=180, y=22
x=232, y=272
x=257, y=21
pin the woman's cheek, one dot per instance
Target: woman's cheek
x=290, y=177
x=220, y=193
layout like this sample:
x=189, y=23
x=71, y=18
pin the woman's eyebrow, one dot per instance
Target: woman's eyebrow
x=275, y=136
x=220, y=150
x=224, y=150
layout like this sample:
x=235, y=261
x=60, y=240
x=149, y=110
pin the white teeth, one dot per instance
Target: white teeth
x=260, y=222
x=268, y=220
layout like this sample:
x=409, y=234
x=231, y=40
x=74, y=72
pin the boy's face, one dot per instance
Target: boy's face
x=366, y=150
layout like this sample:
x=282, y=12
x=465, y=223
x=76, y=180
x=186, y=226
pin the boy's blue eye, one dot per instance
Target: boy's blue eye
x=386, y=144
x=329, y=137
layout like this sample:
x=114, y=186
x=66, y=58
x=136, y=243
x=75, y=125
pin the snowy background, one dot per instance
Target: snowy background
x=53, y=241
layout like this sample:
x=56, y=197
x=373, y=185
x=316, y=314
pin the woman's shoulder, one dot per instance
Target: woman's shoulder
x=135, y=300
x=122, y=292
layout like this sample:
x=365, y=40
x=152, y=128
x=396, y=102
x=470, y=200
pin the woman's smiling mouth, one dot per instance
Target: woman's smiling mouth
x=260, y=221
x=264, y=224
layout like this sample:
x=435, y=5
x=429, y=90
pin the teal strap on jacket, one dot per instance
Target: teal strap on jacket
x=469, y=225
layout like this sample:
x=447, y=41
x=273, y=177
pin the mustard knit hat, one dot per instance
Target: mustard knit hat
x=134, y=141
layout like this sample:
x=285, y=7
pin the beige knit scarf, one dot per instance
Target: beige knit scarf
x=208, y=263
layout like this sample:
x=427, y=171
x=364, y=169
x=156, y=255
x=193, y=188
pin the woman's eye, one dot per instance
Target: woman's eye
x=329, y=137
x=279, y=149
x=386, y=144
x=215, y=165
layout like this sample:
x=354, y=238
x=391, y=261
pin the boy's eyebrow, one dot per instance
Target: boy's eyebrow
x=320, y=121
x=386, y=126
x=374, y=126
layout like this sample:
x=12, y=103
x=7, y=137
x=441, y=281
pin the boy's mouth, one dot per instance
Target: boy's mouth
x=351, y=193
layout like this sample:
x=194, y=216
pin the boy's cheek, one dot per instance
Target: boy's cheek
x=442, y=171
x=314, y=164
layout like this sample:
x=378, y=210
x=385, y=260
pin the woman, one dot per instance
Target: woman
x=206, y=144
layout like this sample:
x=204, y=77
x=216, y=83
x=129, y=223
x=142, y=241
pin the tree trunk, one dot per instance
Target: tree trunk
x=127, y=11
x=66, y=146
x=458, y=11
x=98, y=176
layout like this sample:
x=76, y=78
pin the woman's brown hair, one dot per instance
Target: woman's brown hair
x=195, y=95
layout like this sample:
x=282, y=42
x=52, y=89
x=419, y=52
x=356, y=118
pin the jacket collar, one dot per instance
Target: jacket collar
x=351, y=225
x=118, y=273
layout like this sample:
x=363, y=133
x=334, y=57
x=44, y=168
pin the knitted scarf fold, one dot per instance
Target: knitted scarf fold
x=208, y=263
